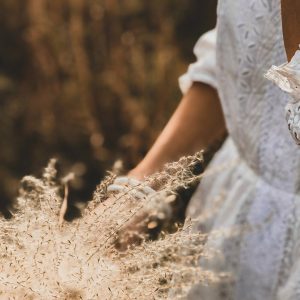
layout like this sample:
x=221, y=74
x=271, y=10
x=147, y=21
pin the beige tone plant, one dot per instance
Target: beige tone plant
x=43, y=257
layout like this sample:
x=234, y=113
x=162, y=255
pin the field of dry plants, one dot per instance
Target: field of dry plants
x=89, y=82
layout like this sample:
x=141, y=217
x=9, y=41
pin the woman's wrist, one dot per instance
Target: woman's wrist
x=137, y=173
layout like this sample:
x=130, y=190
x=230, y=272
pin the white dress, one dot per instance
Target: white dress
x=260, y=186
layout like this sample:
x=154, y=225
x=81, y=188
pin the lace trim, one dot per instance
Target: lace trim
x=287, y=76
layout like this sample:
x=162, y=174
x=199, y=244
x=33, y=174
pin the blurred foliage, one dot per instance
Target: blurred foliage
x=89, y=81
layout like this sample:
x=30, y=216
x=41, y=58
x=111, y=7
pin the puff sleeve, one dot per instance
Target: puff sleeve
x=204, y=69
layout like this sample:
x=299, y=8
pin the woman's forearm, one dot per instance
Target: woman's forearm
x=197, y=122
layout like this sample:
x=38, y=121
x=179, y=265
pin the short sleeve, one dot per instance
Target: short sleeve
x=204, y=69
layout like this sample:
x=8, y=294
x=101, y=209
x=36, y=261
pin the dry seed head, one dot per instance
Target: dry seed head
x=43, y=261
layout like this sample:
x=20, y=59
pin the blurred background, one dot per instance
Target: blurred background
x=89, y=82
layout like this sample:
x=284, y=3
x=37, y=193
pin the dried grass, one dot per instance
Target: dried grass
x=43, y=258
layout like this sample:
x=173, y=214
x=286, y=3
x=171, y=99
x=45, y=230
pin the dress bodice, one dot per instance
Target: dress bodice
x=250, y=41
x=262, y=191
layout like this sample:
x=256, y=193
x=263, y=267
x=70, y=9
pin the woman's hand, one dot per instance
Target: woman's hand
x=196, y=124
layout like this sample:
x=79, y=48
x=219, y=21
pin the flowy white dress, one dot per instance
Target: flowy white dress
x=257, y=189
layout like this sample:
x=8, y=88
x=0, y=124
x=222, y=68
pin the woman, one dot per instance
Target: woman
x=261, y=191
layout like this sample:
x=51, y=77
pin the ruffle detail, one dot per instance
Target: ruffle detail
x=287, y=76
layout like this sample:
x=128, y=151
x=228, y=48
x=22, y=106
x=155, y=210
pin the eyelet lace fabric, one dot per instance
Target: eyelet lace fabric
x=262, y=191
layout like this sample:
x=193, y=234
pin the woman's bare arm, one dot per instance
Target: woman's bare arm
x=197, y=122
x=291, y=25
